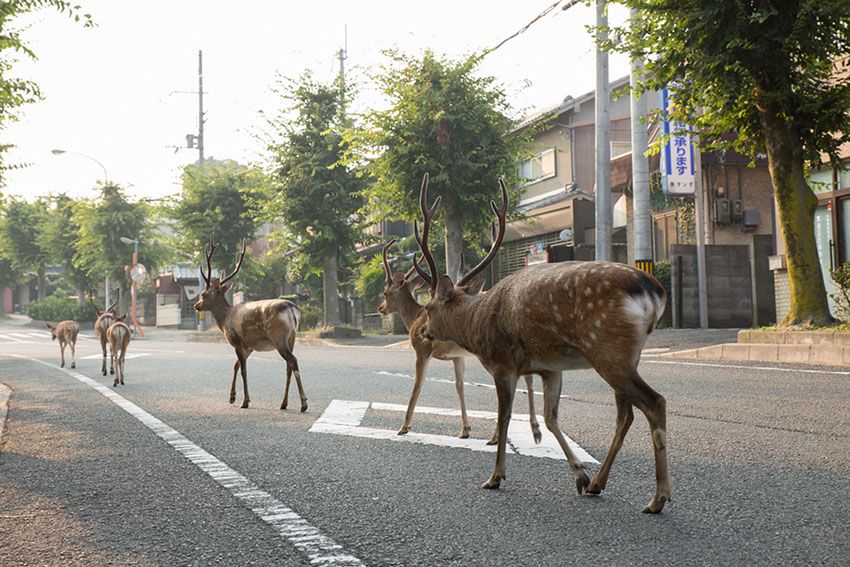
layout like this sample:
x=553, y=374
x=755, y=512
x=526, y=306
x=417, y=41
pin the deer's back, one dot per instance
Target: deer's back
x=263, y=325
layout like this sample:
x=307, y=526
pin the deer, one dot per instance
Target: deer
x=118, y=335
x=398, y=298
x=104, y=319
x=66, y=332
x=265, y=325
x=548, y=318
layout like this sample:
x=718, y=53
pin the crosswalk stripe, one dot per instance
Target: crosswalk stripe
x=20, y=335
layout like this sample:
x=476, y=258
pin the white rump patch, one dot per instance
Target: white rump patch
x=640, y=309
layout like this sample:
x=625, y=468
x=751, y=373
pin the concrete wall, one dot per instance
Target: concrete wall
x=753, y=187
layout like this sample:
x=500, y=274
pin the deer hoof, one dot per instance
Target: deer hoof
x=493, y=482
x=112, y=371
x=493, y=440
x=594, y=488
x=404, y=430
x=73, y=365
x=655, y=505
x=303, y=407
x=244, y=405
x=62, y=365
x=581, y=482
x=538, y=437
x=464, y=433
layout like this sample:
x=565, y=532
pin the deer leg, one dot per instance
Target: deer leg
x=625, y=416
x=505, y=388
x=551, y=399
x=121, y=365
x=73, y=354
x=61, y=354
x=654, y=407
x=236, y=367
x=460, y=367
x=422, y=360
x=243, y=366
x=103, y=364
x=112, y=364
x=292, y=362
x=285, y=401
x=532, y=415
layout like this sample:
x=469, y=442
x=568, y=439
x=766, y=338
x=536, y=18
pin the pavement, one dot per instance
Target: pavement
x=797, y=347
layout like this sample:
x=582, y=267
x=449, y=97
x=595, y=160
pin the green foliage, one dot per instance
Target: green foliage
x=57, y=235
x=661, y=272
x=315, y=196
x=311, y=316
x=730, y=63
x=371, y=282
x=55, y=308
x=443, y=120
x=19, y=234
x=841, y=297
x=263, y=278
x=221, y=199
x=16, y=92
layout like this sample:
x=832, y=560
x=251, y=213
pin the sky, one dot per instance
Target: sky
x=121, y=93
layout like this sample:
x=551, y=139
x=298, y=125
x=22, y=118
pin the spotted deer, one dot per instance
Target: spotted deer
x=265, y=325
x=399, y=298
x=104, y=319
x=553, y=317
x=66, y=332
x=118, y=335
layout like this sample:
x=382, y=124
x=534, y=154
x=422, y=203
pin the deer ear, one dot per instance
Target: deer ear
x=474, y=287
x=225, y=287
x=398, y=279
x=445, y=288
x=49, y=326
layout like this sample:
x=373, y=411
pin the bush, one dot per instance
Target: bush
x=311, y=316
x=841, y=297
x=56, y=308
x=661, y=272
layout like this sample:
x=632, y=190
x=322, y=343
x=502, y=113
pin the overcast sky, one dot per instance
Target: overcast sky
x=110, y=91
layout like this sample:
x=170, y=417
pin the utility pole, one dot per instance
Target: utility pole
x=640, y=169
x=604, y=221
x=342, y=55
x=200, y=106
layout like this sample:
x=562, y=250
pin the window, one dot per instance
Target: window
x=537, y=168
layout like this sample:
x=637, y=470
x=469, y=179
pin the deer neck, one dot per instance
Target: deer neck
x=409, y=310
x=220, y=311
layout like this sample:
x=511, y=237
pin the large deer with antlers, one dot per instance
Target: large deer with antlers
x=104, y=319
x=256, y=325
x=118, y=335
x=554, y=317
x=66, y=332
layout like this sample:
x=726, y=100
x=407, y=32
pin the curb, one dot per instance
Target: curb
x=815, y=354
x=5, y=394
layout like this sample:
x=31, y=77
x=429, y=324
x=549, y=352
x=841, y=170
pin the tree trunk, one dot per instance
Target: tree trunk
x=42, y=283
x=796, y=203
x=81, y=296
x=454, y=242
x=329, y=280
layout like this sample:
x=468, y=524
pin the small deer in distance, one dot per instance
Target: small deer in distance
x=118, y=334
x=66, y=332
x=553, y=317
x=265, y=325
x=104, y=319
x=398, y=298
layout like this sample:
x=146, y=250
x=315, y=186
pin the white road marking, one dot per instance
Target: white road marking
x=343, y=417
x=319, y=549
x=40, y=334
x=20, y=335
x=444, y=381
x=11, y=338
x=128, y=356
x=742, y=367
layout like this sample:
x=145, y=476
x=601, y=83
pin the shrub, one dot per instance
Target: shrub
x=311, y=316
x=661, y=272
x=841, y=297
x=56, y=308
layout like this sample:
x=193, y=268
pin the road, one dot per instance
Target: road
x=164, y=471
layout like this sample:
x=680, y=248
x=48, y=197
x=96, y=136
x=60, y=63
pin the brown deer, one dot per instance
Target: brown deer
x=66, y=332
x=256, y=325
x=398, y=298
x=554, y=317
x=118, y=334
x=104, y=319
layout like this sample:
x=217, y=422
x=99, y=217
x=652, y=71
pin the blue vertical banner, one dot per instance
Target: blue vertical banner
x=677, y=155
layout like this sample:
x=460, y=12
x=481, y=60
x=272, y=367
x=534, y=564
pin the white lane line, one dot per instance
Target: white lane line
x=320, y=549
x=11, y=338
x=42, y=334
x=742, y=367
x=343, y=417
x=21, y=335
x=444, y=381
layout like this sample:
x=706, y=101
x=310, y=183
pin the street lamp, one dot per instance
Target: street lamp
x=135, y=273
x=58, y=152
x=105, y=175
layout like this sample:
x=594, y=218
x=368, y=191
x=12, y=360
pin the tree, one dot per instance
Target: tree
x=446, y=121
x=316, y=196
x=15, y=92
x=57, y=236
x=19, y=237
x=221, y=199
x=98, y=251
x=766, y=71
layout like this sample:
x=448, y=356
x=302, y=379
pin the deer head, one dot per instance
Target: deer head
x=446, y=296
x=398, y=294
x=98, y=312
x=214, y=290
x=52, y=331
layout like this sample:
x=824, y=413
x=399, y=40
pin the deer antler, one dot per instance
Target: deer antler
x=427, y=217
x=209, y=249
x=501, y=212
x=97, y=311
x=387, y=270
x=238, y=265
x=112, y=307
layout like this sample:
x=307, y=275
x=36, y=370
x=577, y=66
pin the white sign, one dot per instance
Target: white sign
x=343, y=417
x=677, y=155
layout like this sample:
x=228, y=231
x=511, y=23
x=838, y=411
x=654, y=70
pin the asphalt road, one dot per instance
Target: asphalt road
x=169, y=473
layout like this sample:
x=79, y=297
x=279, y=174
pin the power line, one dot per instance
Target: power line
x=539, y=17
